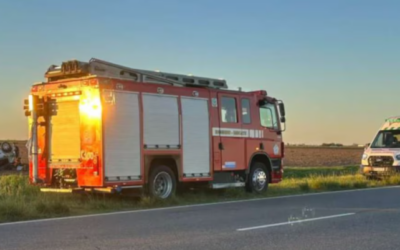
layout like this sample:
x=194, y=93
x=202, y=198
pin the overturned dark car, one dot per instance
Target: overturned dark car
x=9, y=157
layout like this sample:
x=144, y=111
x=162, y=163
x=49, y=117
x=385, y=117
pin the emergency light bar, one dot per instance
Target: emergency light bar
x=395, y=119
x=68, y=68
x=74, y=67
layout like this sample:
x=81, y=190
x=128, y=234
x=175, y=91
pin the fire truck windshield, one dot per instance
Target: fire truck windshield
x=387, y=139
x=268, y=116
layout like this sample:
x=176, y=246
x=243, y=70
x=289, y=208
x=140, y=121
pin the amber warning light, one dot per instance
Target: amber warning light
x=40, y=106
x=28, y=106
x=66, y=94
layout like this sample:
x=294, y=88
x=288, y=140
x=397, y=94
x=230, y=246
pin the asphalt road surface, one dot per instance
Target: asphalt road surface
x=367, y=219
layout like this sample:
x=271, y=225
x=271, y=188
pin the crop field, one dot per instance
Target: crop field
x=322, y=156
x=294, y=156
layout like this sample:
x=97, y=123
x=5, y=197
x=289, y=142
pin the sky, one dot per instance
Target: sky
x=335, y=64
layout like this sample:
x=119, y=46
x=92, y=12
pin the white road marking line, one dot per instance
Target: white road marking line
x=292, y=222
x=195, y=205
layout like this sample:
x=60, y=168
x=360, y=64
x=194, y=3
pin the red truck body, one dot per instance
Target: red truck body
x=102, y=126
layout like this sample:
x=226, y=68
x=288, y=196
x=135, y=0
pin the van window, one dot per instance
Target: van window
x=268, y=116
x=387, y=139
x=246, y=118
x=228, y=110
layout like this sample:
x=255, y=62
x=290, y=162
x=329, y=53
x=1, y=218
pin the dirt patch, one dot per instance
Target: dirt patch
x=319, y=156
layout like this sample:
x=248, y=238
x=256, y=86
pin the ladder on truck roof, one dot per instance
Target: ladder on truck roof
x=103, y=68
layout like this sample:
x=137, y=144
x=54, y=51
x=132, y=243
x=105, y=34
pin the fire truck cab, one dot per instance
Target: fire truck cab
x=99, y=126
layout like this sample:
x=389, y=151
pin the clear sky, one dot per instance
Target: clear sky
x=335, y=64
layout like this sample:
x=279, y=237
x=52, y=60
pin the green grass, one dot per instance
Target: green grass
x=302, y=172
x=21, y=201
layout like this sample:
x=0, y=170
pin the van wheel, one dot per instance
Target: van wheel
x=162, y=183
x=258, y=178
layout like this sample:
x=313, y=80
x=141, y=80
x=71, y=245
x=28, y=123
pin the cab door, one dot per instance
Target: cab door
x=232, y=136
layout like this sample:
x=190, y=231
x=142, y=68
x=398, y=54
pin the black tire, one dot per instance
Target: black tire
x=6, y=147
x=166, y=186
x=259, y=185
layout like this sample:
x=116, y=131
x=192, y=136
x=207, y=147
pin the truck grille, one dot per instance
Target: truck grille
x=377, y=161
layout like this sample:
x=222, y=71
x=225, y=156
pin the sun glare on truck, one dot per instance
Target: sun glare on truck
x=91, y=107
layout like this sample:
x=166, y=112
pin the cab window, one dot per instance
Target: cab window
x=228, y=110
x=268, y=116
x=246, y=118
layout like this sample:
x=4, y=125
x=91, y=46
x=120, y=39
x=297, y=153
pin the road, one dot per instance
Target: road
x=367, y=219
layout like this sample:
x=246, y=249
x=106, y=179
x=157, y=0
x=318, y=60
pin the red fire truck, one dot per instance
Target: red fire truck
x=99, y=126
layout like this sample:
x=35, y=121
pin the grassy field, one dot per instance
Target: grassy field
x=20, y=201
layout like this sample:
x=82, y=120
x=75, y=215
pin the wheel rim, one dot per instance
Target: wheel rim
x=162, y=185
x=6, y=146
x=259, y=179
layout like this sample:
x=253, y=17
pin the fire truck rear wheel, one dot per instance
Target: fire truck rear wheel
x=258, y=179
x=162, y=183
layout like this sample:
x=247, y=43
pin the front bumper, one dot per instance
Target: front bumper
x=379, y=171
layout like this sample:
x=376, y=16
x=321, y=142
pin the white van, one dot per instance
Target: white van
x=382, y=155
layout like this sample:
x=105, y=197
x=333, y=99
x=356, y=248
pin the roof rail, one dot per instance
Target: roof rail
x=107, y=69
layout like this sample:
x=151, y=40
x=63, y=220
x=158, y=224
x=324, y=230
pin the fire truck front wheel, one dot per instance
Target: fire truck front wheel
x=162, y=182
x=258, y=178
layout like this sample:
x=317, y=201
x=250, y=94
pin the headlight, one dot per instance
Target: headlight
x=365, y=156
x=398, y=157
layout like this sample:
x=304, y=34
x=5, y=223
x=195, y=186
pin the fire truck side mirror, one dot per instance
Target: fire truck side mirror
x=282, y=109
x=282, y=112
